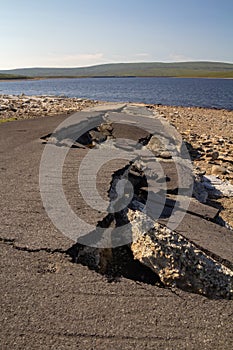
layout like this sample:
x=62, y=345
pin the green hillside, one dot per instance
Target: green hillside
x=150, y=69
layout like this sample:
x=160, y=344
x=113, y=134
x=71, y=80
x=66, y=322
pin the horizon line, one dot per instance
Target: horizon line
x=112, y=63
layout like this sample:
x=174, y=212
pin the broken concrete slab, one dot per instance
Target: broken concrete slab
x=131, y=132
x=194, y=207
x=177, y=260
x=216, y=187
x=106, y=107
x=212, y=238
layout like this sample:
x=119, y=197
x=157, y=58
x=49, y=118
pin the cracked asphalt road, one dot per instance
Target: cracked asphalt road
x=47, y=302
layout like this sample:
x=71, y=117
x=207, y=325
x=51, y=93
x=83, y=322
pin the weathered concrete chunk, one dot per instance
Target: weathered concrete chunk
x=176, y=260
x=209, y=236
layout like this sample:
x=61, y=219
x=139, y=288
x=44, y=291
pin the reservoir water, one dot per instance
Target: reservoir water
x=213, y=93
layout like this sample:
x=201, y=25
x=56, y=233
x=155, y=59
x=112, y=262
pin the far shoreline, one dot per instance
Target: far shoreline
x=112, y=77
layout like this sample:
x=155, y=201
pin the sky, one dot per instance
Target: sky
x=76, y=33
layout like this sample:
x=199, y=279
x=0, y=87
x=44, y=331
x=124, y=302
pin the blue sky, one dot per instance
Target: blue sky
x=75, y=33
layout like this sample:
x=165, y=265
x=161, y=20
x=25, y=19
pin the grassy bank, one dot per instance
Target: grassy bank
x=12, y=77
x=150, y=69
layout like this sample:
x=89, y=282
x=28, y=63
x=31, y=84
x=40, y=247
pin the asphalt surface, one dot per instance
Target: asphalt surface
x=49, y=302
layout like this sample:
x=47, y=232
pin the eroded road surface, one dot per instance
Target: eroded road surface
x=51, y=297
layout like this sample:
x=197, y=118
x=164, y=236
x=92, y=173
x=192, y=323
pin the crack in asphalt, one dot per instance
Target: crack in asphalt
x=102, y=336
x=11, y=242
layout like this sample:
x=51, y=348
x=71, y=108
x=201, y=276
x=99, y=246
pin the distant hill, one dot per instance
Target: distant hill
x=150, y=69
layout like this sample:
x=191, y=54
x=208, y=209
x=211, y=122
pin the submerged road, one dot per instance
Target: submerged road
x=49, y=302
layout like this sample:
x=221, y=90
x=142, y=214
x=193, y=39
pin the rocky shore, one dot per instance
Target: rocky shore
x=208, y=136
x=28, y=107
x=207, y=133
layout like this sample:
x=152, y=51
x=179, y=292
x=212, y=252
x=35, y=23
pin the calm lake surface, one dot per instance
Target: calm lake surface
x=214, y=93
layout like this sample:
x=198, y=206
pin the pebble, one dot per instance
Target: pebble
x=214, y=155
x=218, y=170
